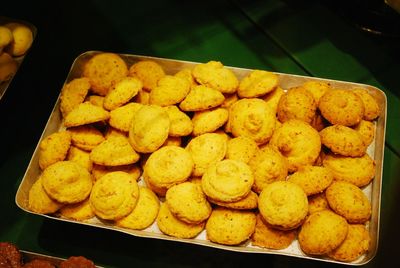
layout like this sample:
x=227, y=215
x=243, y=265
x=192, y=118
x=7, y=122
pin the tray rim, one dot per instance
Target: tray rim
x=257, y=250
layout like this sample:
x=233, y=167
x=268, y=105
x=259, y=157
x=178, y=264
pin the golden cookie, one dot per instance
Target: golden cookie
x=86, y=137
x=227, y=180
x=99, y=171
x=268, y=165
x=85, y=113
x=273, y=98
x=206, y=149
x=367, y=131
x=209, y=120
x=73, y=94
x=39, y=201
x=213, y=74
x=297, y=103
x=168, y=166
x=187, y=202
x=201, y=98
x=316, y=88
x=349, y=201
x=322, y=232
x=341, y=107
x=114, y=152
x=343, y=140
x=230, y=227
x=241, y=149
x=266, y=236
x=149, y=128
x=298, y=142
x=312, y=179
x=148, y=71
x=122, y=92
x=67, y=182
x=54, y=148
x=80, y=211
x=114, y=195
x=22, y=39
x=283, y=204
x=250, y=201
x=356, y=170
x=317, y=202
x=169, y=91
x=371, y=106
x=103, y=70
x=356, y=243
x=252, y=118
x=144, y=213
x=121, y=117
x=170, y=225
x=180, y=123
x=257, y=83
x=6, y=37
x=187, y=75
x=80, y=157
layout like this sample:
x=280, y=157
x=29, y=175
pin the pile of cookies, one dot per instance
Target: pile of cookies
x=15, y=40
x=245, y=160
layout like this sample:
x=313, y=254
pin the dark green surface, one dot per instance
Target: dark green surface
x=303, y=38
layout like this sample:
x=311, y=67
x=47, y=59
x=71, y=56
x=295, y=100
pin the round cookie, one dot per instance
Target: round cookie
x=170, y=225
x=209, y=120
x=121, y=117
x=283, y=205
x=316, y=88
x=268, y=165
x=169, y=91
x=357, y=242
x=149, y=128
x=297, y=103
x=73, y=94
x=241, y=149
x=80, y=157
x=54, y=148
x=201, y=98
x=206, y=149
x=114, y=195
x=85, y=113
x=257, y=83
x=356, y=170
x=144, y=213
x=99, y=171
x=366, y=130
x=22, y=39
x=114, y=151
x=188, y=203
x=227, y=180
x=317, y=202
x=312, y=179
x=80, y=211
x=250, y=201
x=343, y=140
x=372, y=109
x=186, y=74
x=67, y=182
x=213, y=74
x=39, y=201
x=230, y=227
x=341, y=107
x=298, y=142
x=122, y=92
x=147, y=71
x=349, y=201
x=322, y=232
x=168, y=166
x=252, y=118
x=103, y=70
x=86, y=137
x=266, y=236
x=180, y=123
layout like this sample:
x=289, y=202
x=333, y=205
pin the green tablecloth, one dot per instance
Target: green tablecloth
x=305, y=38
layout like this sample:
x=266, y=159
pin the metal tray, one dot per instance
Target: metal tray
x=3, y=20
x=373, y=190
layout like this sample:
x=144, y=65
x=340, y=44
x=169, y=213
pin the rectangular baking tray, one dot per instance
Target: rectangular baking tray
x=4, y=20
x=29, y=256
x=373, y=190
